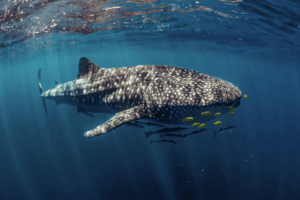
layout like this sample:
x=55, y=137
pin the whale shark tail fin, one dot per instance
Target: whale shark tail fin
x=41, y=91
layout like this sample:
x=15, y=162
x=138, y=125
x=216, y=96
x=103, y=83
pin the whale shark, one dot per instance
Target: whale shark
x=158, y=93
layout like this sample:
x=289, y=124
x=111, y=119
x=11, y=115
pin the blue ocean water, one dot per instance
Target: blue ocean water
x=253, y=44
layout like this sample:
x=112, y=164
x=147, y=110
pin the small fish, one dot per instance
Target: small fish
x=163, y=140
x=217, y=115
x=230, y=114
x=202, y=125
x=188, y=119
x=233, y=109
x=206, y=113
x=196, y=124
x=245, y=96
x=74, y=98
x=230, y=107
x=217, y=123
x=219, y=108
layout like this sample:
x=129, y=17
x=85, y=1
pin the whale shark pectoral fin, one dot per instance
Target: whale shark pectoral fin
x=119, y=119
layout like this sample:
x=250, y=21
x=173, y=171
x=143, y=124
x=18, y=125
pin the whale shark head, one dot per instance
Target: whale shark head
x=217, y=92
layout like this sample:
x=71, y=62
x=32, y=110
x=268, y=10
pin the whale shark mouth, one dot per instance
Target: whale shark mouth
x=234, y=103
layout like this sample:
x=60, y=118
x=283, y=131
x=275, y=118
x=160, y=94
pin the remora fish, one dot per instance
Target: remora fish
x=163, y=140
x=150, y=124
x=195, y=132
x=134, y=124
x=171, y=135
x=164, y=130
x=165, y=94
x=223, y=129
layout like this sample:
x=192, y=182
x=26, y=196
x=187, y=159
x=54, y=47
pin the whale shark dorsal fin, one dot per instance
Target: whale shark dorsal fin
x=56, y=83
x=86, y=66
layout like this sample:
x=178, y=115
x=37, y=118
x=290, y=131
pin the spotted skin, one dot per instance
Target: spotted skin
x=165, y=94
